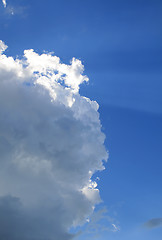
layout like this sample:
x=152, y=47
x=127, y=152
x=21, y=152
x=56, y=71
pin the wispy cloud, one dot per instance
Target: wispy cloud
x=50, y=145
x=99, y=223
x=4, y=3
x=154, y=223
x=12, y=9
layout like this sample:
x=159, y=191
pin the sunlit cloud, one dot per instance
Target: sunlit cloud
x=51, y=144
x=4, y=3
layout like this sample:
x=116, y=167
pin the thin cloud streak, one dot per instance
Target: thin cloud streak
x=4, y=3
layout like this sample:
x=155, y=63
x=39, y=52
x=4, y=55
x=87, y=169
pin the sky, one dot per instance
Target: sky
x=80, y=81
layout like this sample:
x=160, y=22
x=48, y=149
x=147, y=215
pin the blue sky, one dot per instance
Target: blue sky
x=120, y=45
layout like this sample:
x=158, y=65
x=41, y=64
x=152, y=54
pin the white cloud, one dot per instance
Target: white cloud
x=115, y=228
x=4, y=3
x=3, y=47
x=50, y=145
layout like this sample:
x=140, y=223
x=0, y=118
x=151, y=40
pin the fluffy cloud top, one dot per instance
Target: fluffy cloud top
x=50, y=146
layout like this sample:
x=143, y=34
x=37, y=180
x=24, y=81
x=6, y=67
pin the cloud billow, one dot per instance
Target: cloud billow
x=50, y=146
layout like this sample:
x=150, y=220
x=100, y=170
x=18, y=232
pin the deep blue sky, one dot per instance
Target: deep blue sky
x=120, y=44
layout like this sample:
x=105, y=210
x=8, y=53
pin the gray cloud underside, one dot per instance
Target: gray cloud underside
x=154, y=223
x=18, y=223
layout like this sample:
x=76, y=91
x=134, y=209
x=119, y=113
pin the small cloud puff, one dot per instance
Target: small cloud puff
x=154, y=223
x=3, y=47
x=50, y=146
x=4, y=3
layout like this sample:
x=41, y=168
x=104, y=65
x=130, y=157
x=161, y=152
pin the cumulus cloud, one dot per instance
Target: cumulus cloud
x=4, y=3
x=50, y=146
x=154, y=223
